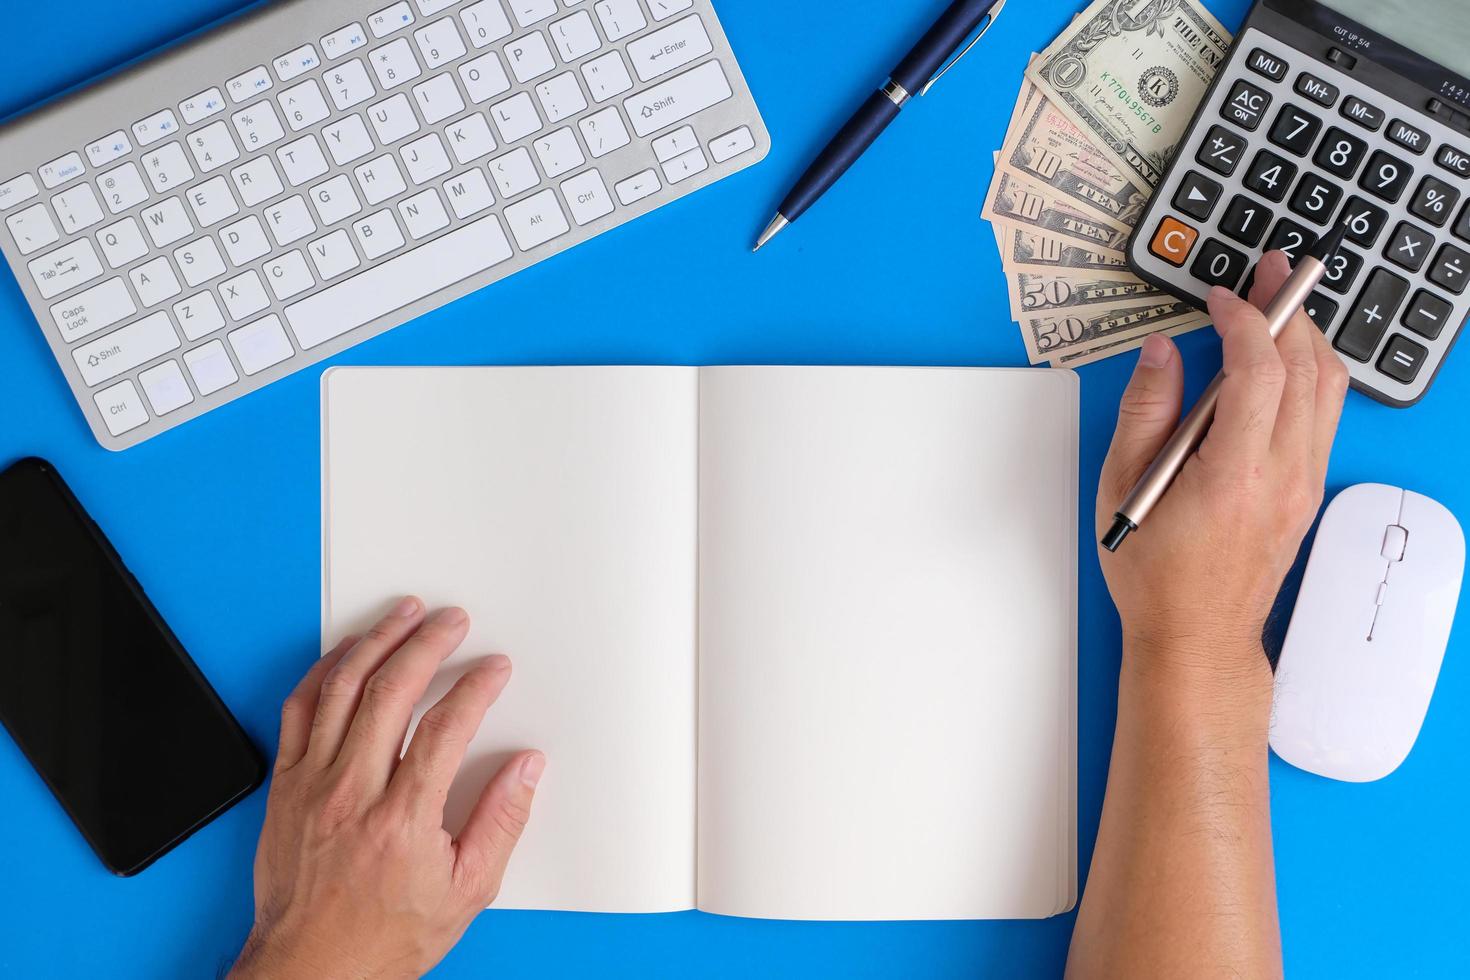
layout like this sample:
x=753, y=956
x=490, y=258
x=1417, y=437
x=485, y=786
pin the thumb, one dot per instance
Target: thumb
x=1147, y=417
x=494, y=826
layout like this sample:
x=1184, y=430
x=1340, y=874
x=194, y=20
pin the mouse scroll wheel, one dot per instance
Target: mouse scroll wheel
x=1394, y=540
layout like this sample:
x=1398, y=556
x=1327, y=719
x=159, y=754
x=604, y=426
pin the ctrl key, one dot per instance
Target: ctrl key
x=121, y=407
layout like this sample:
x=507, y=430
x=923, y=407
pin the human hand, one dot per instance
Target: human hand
x=355, y=876
x=1195, y=583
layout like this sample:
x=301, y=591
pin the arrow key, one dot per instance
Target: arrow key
x=1197, y=196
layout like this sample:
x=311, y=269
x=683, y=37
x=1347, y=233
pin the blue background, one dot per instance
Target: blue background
x=219, y=519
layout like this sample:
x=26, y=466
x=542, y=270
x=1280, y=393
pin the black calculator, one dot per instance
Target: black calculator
x=1356, y=111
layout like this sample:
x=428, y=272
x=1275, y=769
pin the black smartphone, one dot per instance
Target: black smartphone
x=96, y=690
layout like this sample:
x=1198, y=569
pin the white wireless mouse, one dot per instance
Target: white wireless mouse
x=1368, y=635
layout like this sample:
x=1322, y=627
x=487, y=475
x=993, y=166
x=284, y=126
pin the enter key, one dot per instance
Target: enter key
x=672, y=47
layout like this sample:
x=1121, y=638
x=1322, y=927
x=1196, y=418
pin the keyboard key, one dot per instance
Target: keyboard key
x=122, y=188
x=485, y=22
x=733, y=143
x=528, y=12
x=296, y=63
x=604, y=132
x=678, y=98
x=575, y=37
x=212, y=147
x=670, y=145
x=664, y=9
x=210, y=367
x=258, y=126
x=425, y=159
x=529, y=57
x=1340, y=153
x=423, y=214
x=167, y=222
x=1219, y=265
x=1245, y=221
x=122, y=243
x=155, y=127
x=246, y=86
x=1363, y=113
x=348, y=84
x=348, y=140
x=607, y=76
x=1262, y=63
x=287, y=275
x=167, y=168
x=108, y=149
x=343, y=40
x=122, y=410
x=1322, y=310
x=245, y=240
x=334, y=254
x=212, y=202
x=380, y=179
x=199, y=262
x=685, y=42
x=334, y=200
x=560, y=97
x=1270, y=176
x=1173, y=241
x=399, y=281
x=244, y=295
x=155, y=282
x=1221, y=150
x=514, y=173
x=439, y=43
x=1371, y=315
x=559, y=153
x=77, y=208
x=1416, y=141
x=256, y=181
x=587, y=197
x=685, y=165
x=1427, y=314
x=1455, y=161
x=1434, y=201
x=32, y=229
x=393, y=119
x=470, y=138
x=289, y=221
x=637, y=187
x=93, y=309
x=388, y=20
x=1295, y=130
x=1409, y=247
x=1291, y=238
x=516, y=117
x=1450, y=268
x=469, y=194
x=536, y=220
x=1320, y=92
x=260, y=345
x=1342, y=270
x=61, y=170
x=1402, y=358
x=620, y=18
x=166, y=388
x=202, y=106
x=1365, y=221
x=428, y=8
x=378, y=235
x=63, y=270
x=395, y=64
x=303, y=105
x=122, y=350
x=1315, y=199
x=17, y=190
x=302, y=160
x=484, y=78
x=1386, y=176
x=437, y=99
x=199, y=315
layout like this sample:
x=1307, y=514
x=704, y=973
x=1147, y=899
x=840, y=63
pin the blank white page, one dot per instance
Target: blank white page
x=887, y=622
x=556, y=505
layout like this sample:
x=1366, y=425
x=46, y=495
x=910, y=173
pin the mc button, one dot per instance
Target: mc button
x=1173, y=241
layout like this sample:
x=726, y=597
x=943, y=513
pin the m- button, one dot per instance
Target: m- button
x=1173, y=241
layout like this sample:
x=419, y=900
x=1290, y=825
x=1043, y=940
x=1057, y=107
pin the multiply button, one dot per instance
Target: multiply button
x=1173, y=241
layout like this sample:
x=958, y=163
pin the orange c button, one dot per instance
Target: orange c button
x=1173, y=241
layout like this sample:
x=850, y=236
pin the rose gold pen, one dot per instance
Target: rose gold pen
x=1160, y=475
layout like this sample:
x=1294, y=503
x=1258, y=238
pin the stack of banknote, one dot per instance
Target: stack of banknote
x=1097, y=120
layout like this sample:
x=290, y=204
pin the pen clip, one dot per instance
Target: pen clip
x=989, y=21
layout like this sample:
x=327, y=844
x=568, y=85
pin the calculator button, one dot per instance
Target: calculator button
x=1365, y=221
x=1427, y=314
x=1371, y=315
x=1320, y=92
x=1434, y=201
x=1362, y=113
x=1316, y=199
x=1219, y=265
x=1409, y=247
x=1322, y=310
x=1222, y=150
x=1414, y=140
x=1295, y=130
x=1342, y=59
x=1291, y=238
x=1402, y=359
x=1462, y=227
x=1263, y=62
x=1246, y=105
x=1342, y=270
x=1455, y=161
x=1246, y=221
x=1450, y=268
x=1197, y=196
x=1386, y=176
x=1173, y=241
x=1340, y=153
x=1270, y=176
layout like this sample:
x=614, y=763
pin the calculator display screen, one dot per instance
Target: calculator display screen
x=1437, y=29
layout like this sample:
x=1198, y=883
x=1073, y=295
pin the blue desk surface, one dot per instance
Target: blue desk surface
x=219, y=519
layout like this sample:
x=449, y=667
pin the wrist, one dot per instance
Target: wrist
x=1215, y=681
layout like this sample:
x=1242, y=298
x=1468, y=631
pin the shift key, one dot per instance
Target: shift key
x=678, y=98
x=122, y=350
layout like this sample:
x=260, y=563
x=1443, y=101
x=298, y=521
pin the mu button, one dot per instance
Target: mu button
x=1173, y=241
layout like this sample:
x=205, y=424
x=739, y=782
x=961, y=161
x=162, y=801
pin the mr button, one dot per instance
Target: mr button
x=1173, y=241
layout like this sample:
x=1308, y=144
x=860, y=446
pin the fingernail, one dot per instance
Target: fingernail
x=1219, y=294
x=452, y=616
x=407, y=606
x=1157, y=351
x=532, y=769
x=498, y=662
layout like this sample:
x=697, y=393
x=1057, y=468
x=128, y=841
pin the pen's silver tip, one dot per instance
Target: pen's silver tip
x=772, y=230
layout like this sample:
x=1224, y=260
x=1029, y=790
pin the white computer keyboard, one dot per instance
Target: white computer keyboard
x=312, y=174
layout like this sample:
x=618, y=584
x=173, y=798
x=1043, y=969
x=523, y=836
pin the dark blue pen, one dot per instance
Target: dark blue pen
x=913, y=76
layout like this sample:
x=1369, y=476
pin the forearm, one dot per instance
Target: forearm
x=1181, y=882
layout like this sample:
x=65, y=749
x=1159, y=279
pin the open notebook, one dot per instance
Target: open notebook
x=797, y=642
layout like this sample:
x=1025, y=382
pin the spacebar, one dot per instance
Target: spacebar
x=398, y=282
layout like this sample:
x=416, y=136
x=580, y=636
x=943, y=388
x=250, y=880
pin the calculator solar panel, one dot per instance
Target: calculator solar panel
x=1301, y=129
